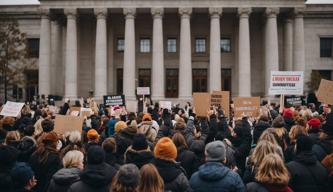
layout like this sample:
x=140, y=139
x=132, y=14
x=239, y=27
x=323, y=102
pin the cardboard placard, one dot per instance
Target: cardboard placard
x=221, y=98
x=246, y=106
x=286, y=83
x=143, y=90
x=201, y=103
x=325, y=92
x=165, y=104
x=66, y=123
x=86, y=112
x=11, y=109
x=113, y=100
x=74, y=111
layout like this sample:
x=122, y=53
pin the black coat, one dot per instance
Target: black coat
x=323, y=148
x=63, y=179
x=187, y=160
x=260, y=127
x=139, y=158
x=94, y=178
x=307, y=174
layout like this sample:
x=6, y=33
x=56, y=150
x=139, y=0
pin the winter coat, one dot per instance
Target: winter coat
x=44, y=171
x=288, y=123
x=187, y=160
x=94, y=178
x=63, y=179
x=139, y=158
x=123, y=140
x=111, y=159
x=323, y=148
x=149, y=129
x=257, y=187
x=215, y=177
x=307, y=174
x=260, y=127
x=173, y=176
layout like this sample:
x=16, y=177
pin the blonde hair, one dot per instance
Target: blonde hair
x=270, y=136
x=272, y=170
x=262, y=149
x=151, y=181
x=73, y=158
x=74, y=137
x=296, y=131
x=12, y=136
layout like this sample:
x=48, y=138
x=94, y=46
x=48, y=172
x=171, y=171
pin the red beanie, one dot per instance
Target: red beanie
x=288, y=113
x=314, y=123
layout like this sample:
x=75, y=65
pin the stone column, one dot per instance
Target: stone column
x=44, y=54
x=299, y=55
x=129, y=55
x=56, y=57
x=215, y=50
x=158, y=56
x=185, y=54
x=101, y=54
x=71, y=55
x=288, y=45
x=244, y=58
x=271, y=45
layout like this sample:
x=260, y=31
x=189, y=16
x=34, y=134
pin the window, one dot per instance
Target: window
x=120, y=44
x=33, y=48
x=171, y=81
x=145, y=45
x=119, y=81
x=199, y=80
x=200, y=45
x=144, y=77
x=172, y=45
x=326, y=47
x=226, y=80
x=225, y=45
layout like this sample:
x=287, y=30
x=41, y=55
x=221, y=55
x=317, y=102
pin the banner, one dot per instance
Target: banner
x=113, y=100
x=246, y=106
x=325, y=92
x=201, y=103
x=63, y=124
x=294, y=100
x=11, y=109
x=286, y=83
x=143, y=90
x=165, y=104
x=221, y=99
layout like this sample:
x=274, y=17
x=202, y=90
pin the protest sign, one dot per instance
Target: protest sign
x=165, y=104
x=67, y=123
x=286, y=83
x=246, y=106
x=143, y=90
x=201, y=103
x=74, y=111
x=325, y=92
x=11, y=109
x=86, y=112
x=113, y=100
x=293, y=100
x=221, y=98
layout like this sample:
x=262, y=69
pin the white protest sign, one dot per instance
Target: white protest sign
x=11, y=109
x=165, y=104
x=143, y=90
x=286, y=83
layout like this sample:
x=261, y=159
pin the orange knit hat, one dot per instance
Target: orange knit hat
x=92, y=134
x=119, y=126
x=146, y=117
x=165, y=149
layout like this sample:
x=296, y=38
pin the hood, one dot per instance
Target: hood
x=66, y=176
x=212, y=171
x=98, y=175
x=306, y=158
x=168, y=170
x=138, y=156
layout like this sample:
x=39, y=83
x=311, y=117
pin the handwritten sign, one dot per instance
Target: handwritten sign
x=286, y=83
x=325, y=92
x=86, y=112
x=11, y=109
x=221, y=99
x=63, y=124
x=165, y=104
x=143, y=90
x=74, y=111
x=246, y=106
x=201, y=102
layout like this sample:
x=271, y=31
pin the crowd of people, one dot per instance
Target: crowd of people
x=168, y=150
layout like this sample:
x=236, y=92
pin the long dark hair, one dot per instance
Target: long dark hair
x=44, y=149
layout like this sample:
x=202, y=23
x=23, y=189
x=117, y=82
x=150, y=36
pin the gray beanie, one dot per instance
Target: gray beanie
x=215, y=151
x=129, y=175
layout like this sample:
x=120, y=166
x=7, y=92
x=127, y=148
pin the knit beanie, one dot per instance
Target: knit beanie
x=165, y=149
x=92, y=134
x=129, y=175
x=288, y=113
x=21, y=174
x=96, y=155
x=139, y=142
x=146, y=117
x=119, y=126
x=215, y=151
x=303, y=143
x=278, y=122
x=314, y=123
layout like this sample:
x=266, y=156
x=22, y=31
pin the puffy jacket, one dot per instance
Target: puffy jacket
x=63, y=179
x=214, y=176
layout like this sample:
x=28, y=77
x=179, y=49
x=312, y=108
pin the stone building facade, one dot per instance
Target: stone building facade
x=175, y=47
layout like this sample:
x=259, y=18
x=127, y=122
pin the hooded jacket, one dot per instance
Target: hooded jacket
x=94, y=178
x=63, y=179
x=307, y=174
x=139, y=158
x=214, y=176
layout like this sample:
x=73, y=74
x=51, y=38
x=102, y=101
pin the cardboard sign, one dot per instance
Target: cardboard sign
x=325, y=92
x=294, y=100
x=246, y=106
x=143, y=90
x=113, y=100
x=286, y=83
x=74, y=111
x=11, y=109
x=221, y=98
x=201, y=103
x=86, y=112
x=165, y=104
x=67, y=123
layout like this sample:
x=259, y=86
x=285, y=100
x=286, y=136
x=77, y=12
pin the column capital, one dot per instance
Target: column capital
x=129, y=12
x=101, y=13
x=272, y=11
x=299, y=11
x=185, y=11
x=215, y=11
x=70, y=13
x=157, y=12
x=45, y=13
x=244, y=11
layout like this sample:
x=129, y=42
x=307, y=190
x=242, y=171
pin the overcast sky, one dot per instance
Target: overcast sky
x=16, y=2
